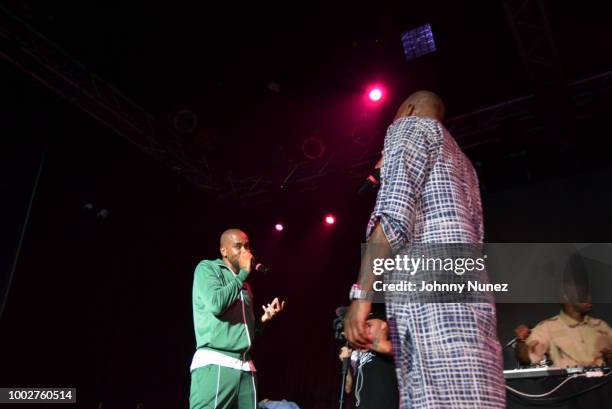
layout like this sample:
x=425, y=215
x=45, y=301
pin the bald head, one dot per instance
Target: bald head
x=230, y=236
x=425, y=104
x=232, y=244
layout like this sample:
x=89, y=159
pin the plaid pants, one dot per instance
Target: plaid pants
x=447, y=355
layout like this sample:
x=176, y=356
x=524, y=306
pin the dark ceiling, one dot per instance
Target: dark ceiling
x=219, y=61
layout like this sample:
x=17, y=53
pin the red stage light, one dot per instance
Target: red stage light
x=279, y=227
x=330, y=219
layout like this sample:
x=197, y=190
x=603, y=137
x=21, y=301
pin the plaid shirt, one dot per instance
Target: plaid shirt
x=429, y=189
x=447, y=354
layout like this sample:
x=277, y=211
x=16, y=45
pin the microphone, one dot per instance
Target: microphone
x=513, y=341
x=345, y=365
x=372, y=182
x=260, y=267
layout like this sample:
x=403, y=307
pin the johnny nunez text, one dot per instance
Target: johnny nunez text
x=435, y=286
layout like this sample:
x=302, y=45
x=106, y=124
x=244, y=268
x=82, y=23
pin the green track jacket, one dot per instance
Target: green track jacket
x=222, y=309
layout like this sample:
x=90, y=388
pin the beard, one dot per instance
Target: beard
x=235, y=262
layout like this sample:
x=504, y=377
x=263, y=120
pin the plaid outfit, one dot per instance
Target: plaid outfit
x=447, y=353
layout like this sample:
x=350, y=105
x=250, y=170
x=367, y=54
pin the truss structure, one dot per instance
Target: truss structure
x=48, y=64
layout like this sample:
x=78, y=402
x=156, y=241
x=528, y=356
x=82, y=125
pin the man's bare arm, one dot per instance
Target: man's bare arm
x=355, y=322
x=377, y=247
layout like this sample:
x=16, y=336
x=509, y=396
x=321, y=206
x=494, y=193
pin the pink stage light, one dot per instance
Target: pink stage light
x=375, y=94
x=330, y=219
x=279, y=227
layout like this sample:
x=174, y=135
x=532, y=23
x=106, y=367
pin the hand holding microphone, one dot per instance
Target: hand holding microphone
x=372, y=182
x=246, y=261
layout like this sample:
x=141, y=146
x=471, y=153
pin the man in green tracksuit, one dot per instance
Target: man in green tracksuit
x=222, y=373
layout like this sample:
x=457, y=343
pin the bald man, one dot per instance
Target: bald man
x=447, y=354
x=222, y=373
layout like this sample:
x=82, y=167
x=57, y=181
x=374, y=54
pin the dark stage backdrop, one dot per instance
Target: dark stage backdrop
x=101, y=299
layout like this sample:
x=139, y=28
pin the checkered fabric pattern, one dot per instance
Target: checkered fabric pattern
x=447, y=354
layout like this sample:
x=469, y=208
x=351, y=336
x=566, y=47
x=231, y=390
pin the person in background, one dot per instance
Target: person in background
x=372, y=374
x=572, y=338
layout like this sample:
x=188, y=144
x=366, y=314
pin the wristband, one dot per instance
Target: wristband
x=358, y=294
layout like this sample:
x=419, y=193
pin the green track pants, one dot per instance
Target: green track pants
x=219, y=387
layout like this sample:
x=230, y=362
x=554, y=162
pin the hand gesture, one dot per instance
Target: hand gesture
x=271, y=310
x=522, y=332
